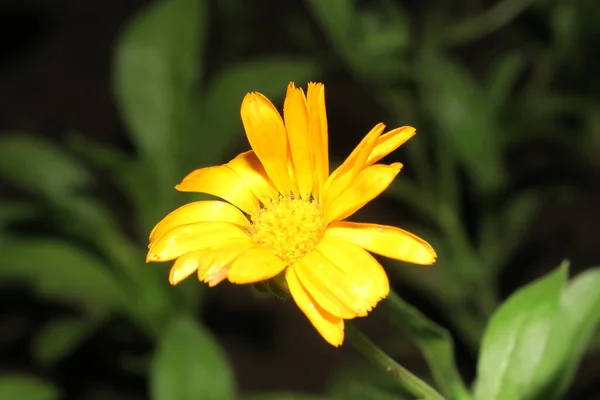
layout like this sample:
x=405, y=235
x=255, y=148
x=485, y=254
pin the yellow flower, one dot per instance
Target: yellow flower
x=283, y=213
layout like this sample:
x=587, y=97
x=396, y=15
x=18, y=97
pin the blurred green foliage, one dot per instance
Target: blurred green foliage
x=470, y=113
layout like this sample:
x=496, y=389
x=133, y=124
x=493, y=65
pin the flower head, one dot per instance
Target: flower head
x=282, y=214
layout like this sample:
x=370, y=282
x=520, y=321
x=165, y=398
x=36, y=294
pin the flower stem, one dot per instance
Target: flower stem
x=406, y=379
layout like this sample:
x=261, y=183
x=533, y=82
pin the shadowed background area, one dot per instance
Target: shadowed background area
x=106, y=105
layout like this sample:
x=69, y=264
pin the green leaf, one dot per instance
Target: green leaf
x=156, y=66
x=576, y=321
x=504, y=77
x=517, y=337
x=59, y=338
x=464, y=120
x=26, y=388
x=189, y=365
x=58, y=270
x=220, y=122
x=40, y=167
x=133, y=177
x=434, y=342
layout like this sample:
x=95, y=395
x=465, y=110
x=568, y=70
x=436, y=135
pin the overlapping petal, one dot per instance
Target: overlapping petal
x=346, y=173
x=254, y=265
x=366, y=186
x=341, y=290
x=385, y=240
x=295, y=114
x=242, y=182
x=211, y=263
x=267, y=136
x=318, y=134
x=328, y=325
x=364, y=277
x=187, y=238
x=252, y=173
x=199, y=211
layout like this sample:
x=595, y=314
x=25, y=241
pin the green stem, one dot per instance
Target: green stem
x=406, y=379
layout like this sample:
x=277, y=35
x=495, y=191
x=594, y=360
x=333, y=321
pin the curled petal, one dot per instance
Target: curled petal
x=389, y=142
x=387, y=241
x=328, y=325
x=368, y=184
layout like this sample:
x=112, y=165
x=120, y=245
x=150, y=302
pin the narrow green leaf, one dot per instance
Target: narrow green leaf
x=157, y=63
x=504, y=76
x=434, y=342
x=578, y=317
x=450, y=95
x=27, y=388
x=59, y=338
x=58, y=270
x=220, y=123
x=40, y=167
x=189, y=365
x=517, y=337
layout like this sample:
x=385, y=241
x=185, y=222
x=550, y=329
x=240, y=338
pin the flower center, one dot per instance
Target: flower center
x=290, y=227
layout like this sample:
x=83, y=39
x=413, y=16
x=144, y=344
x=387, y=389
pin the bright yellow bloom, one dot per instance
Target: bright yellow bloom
x=283, y=214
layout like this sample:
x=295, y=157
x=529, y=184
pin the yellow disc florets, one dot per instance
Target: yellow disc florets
x=290, y=227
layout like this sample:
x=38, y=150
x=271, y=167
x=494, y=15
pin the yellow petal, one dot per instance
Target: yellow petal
x=184, y=266
x=251, y=172
x=256, y=264
x=368, y=184
x=346, y=173
x=389, y=142
x=295, y=114
x=187, y=238
x=267, y=136
x=199, y=211
x=318, y=133
x=387, y=241
x=329, y=326
x=223, y=182
x=332, y=287
x=360, y=281
x=219, y=258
